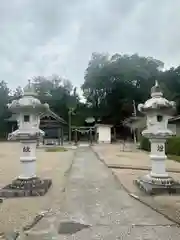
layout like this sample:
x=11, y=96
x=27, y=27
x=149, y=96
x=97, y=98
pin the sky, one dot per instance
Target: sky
x=46, y=37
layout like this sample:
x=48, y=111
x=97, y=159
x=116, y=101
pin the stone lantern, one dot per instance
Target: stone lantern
x=28, y=110
x=158, y=110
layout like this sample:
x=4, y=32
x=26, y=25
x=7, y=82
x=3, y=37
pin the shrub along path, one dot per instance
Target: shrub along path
x=172, y=146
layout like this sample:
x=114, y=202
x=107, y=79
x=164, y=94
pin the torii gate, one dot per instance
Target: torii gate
x=83, y=130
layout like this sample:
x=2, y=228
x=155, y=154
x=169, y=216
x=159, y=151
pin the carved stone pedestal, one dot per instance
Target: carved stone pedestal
x=155, y=186
x=26, y=188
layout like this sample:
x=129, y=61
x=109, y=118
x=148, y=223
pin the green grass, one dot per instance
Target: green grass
x=56, y=149
x=174, y=157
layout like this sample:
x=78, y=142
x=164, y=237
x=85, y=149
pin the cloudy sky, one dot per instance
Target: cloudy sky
x=45, y=37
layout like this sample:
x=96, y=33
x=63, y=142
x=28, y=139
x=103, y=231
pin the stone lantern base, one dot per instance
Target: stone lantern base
x=26, y=188
x=156, y=186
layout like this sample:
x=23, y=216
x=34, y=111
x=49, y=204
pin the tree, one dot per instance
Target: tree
x=59, y=93
x=170, y=82
x=4, y=114
x=18, y=92
x=112, y=83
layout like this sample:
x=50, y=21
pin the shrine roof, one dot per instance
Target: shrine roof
x=12, y=118
x=174, y=119
x=49, y=113
x=132, y=119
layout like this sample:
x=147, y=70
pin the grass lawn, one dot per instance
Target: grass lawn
x=174, y=157
x=55, y=149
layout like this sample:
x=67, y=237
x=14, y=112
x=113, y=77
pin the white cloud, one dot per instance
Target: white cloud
x=58, y=36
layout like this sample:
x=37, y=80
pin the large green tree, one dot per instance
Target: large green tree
x=113, y=82
x=59, y=93
x=4, y=114
x=170, y=82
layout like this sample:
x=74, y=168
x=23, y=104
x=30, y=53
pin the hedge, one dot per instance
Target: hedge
x=172, y=145
x=145, y=144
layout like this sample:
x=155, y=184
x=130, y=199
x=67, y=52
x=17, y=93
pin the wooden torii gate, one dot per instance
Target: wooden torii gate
x=83, y=130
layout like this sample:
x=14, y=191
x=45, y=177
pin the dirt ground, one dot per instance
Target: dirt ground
x=18, y=212
x=113, y=155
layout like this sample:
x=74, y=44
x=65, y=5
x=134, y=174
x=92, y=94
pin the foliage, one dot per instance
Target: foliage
x=111, y=84
x=145, y=144
x=4, y=99
x=172, y=145
x=17, y=93
x=174, y=157
x=58, y=93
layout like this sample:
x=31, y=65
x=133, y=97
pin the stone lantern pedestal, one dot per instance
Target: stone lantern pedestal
x=158, y=111
x=28, y=159
x=28, y=109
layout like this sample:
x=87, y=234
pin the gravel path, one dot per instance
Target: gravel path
x=95, y=203
x=18, y=212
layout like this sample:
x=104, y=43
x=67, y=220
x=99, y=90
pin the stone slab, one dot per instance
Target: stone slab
x=26, y=188
x=116, y=232
x=95, y=199
x=155, y=189
x=166, y=204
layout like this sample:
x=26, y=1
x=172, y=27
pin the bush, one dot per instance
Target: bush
x=145, y=144
x=172, y=145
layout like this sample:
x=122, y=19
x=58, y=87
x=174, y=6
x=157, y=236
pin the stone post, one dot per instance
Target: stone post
x=75, y=137
x=62, y=136
x=28, y=159
x=90, y=135
x=158, y=158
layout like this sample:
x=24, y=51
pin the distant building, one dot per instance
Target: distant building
x=54, y=126
x=137, y=124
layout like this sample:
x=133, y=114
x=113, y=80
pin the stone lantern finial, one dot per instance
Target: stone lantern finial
x=29, y=89
x=156, y=90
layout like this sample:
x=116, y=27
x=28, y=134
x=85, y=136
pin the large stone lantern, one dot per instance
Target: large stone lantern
x=28, y=110
x=158, y=110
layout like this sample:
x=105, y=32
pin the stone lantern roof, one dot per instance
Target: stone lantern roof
x=157, y=102
x=28, y=102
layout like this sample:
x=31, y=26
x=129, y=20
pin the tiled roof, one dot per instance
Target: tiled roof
x=49, y=113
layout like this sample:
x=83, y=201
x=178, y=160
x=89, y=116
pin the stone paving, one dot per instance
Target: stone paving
x=95, y=206
x=113, y=156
